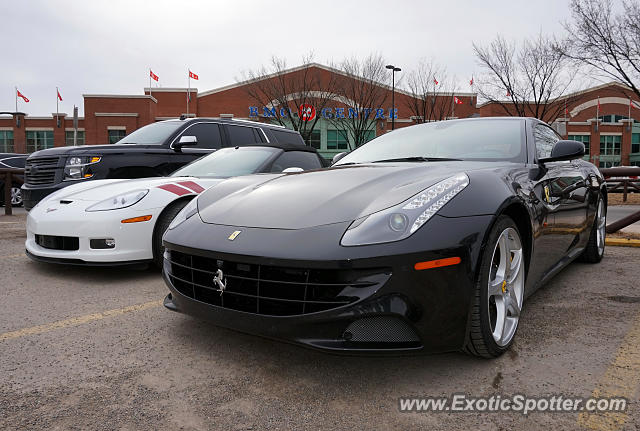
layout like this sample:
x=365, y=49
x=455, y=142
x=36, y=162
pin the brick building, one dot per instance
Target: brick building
x=612, y=139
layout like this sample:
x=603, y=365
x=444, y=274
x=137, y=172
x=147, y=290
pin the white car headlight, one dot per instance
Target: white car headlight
x=119, y=201
x=190, y=209
x=402, y=220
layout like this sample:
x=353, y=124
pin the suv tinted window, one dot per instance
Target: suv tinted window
x=243, y=135
x=286, y=137
x=207, y=134
x=296, y=159
x=545, y=138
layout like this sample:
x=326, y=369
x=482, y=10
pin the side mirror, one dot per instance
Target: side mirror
x=185, y=141
x=338, y=157
x=564, y=150
x=292, y=169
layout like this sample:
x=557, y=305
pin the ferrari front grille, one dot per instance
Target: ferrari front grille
x=269, y=290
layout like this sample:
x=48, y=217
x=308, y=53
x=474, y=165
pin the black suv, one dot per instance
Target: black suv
x=153, y=150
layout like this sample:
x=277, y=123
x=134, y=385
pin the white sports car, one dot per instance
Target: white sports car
x=121, y=221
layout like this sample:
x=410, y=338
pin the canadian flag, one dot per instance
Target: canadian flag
x=193, y=75
x=23, y=96
x=435, y=81
x=508, y=93
x=457, y=101
x=59, y=96
x=153, y=75
x=471, y=81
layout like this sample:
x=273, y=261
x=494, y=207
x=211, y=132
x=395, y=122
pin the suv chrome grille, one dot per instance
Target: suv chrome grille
x=269, y=290
x=41, y=171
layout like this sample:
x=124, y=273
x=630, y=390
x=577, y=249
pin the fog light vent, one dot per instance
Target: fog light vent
x=380, y=329
x=103, y=243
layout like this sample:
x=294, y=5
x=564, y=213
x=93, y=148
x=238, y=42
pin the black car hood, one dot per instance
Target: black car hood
x=314, y=198
x=94, y=149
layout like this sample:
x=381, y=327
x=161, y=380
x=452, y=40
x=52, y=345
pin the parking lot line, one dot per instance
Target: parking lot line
x=621, y=379
x=74, y=321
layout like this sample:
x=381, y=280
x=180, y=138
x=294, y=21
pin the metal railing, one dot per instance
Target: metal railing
x=625, y=184
x=10, y=176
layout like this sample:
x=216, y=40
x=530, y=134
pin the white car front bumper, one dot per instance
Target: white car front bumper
x=133, y=241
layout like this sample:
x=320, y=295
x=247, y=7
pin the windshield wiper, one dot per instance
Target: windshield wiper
x=417, y=159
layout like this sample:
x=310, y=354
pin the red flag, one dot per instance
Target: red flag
x=631, y=103
x=59, y=96
x=153, y=75
x=457, y=101
x=23, y=96
x=598, y=103
x=435, y=81
x=566, y=112
x=471, y=81
x=508, y=94
x=193, y=75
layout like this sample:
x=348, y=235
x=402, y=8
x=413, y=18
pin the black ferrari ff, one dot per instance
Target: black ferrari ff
x=428, y=238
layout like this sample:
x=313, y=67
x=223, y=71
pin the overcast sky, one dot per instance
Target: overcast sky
x=100, y=47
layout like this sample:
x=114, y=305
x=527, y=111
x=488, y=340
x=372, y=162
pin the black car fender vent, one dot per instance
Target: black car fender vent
x=269, y=290
x=380, y=329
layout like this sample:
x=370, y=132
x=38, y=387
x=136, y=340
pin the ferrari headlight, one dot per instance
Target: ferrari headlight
x=190, y=209
x=79, y=167
x=402, y=220
x=119, y=201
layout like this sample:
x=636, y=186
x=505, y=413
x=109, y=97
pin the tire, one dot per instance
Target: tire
x=498, y=292
x=594, y=250
x=16, y=196
x=164, y=220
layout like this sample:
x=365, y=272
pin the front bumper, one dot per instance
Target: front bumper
x=407, y=310
x=133, y=241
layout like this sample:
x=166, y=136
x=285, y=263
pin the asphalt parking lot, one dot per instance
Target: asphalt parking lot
x=88, y=348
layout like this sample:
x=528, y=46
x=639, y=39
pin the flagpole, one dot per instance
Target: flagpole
x=188, y=91
x=453, y=106
x=57, y=110
x=16, y=88
x=149, y=81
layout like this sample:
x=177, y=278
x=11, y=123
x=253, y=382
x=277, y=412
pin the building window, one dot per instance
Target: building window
x=68, y=137
x=6, y=141
x=610, y=145
x=635, y=143
x=609, y=164
x=39, y=140
x=585, y=139
x=337, y=140
x=314, y=139
x=116, y=135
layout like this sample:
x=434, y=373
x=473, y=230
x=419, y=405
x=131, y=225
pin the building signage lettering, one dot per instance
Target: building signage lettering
x=308, y=112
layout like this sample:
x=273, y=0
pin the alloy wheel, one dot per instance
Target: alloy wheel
x=506, y=286
x=16, y=196
x=601, y=226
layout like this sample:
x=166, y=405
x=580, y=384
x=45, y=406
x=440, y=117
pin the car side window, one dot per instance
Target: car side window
x=296, y=159
x=243, y=135
x=207, y=134
x=545, y=139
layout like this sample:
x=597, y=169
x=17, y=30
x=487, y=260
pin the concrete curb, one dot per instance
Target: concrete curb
x=622, y=242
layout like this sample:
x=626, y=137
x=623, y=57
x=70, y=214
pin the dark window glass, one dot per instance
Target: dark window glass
x=545, y=138
x=286, y=137
x=635, y=143
x=296, y=159
x=153, y=134
x=68, y=137
x=116, y=135
x=39, y=140
x=6, y=141
x=207, y=134
x=314, y=139
x=228, y=162
x=242, y=135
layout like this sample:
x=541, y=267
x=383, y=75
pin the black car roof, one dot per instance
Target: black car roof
x=236, y=121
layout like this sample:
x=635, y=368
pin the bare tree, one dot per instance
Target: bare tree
x=280, y=92
x=528, y=81
x=363, y=89
x=608, y=43
x=432, y=90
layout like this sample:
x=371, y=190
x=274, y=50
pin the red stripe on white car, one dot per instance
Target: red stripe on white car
x=192, y=185
x=173, y=188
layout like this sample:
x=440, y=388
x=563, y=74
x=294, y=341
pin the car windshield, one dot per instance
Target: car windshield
x=153, y=134
x=489, y=140
x=228, y=162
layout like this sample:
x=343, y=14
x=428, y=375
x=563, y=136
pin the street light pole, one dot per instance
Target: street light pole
x=393, y=93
